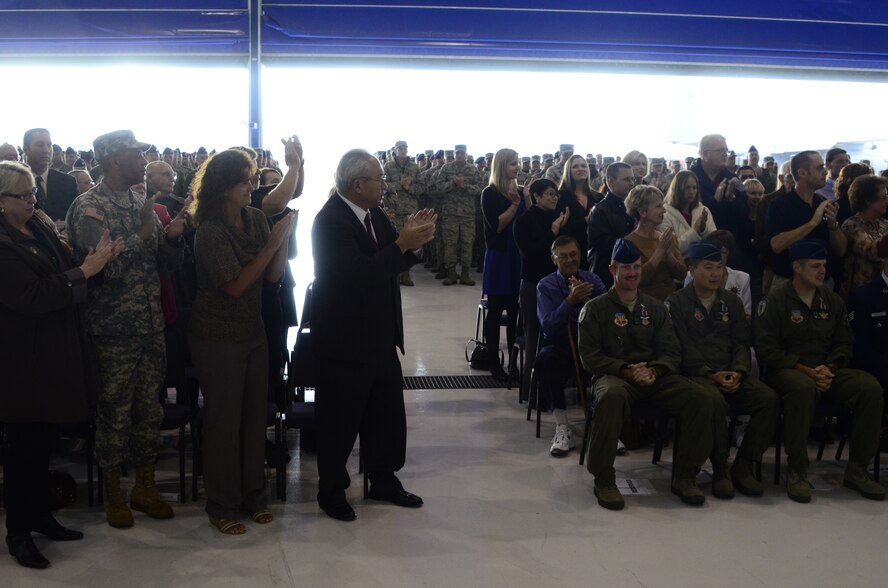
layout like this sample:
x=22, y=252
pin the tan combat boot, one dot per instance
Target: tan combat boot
x=722, y=487
x=117, y=514
x=857, y=478
x=405, y=279
x=145, y=497
x=464, y=277
x=451, y=278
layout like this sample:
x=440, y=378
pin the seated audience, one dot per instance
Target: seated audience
x=560, y=297
x=627, y=342
x=715, y=336
x=805, y=345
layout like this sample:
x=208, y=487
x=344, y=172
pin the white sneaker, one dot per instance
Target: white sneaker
x=561, y=441
x=621, y=449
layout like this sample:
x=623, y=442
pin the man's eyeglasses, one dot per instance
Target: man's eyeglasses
x=381, y=180
x=26, y=196
x=568, y=256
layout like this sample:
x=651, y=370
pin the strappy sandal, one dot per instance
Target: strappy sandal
x=228, y=526
x=263, y=517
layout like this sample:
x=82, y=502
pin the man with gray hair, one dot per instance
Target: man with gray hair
x=357, y=326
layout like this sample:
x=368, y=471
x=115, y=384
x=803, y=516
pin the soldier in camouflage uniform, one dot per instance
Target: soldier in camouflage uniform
x=478, y=244
x=460, y=185
x=402, y=191
x=126, y=322
x=433, y=199
x=555, y=172
x=524, y=173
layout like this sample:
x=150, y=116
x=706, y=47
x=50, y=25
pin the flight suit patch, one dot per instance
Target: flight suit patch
x=620, y=319
x=796, y=316
x=698, y=315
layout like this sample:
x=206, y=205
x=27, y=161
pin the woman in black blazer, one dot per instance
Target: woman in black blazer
x=43, y=355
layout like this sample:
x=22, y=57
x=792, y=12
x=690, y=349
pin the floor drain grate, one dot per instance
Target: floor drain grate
x=451, y=382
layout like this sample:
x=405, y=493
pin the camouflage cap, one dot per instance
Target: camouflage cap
x=429, y=153
x=535, y=158
x=459, y=148
x=401, y=144
x=110, y=143
x=564, y=147
x=525, y=159
x=488, y=155
x=448, y=153
x=548, y=157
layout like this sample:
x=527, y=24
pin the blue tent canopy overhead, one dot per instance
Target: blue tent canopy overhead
x=820, y=34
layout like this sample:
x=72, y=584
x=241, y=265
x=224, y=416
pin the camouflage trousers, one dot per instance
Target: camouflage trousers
x=459, y=235
x=129, y=415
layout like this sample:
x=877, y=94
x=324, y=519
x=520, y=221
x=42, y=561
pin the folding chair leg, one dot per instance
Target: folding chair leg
x=182, y=491
x=531, y=393
x=194, y=450
x=876, y=465
x=90, y=448
x=587, y=437
x=778, y=454
x=826, y=424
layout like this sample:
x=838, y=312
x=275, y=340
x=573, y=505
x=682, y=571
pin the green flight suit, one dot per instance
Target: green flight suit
x=610, y=338
x=788, y=332
x=720, y=340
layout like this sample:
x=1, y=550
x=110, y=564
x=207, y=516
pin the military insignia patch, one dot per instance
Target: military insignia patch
x=620, y=319
x=796, y=316
x=698, y=315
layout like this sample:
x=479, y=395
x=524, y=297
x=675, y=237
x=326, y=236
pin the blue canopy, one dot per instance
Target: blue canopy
x=819, y=34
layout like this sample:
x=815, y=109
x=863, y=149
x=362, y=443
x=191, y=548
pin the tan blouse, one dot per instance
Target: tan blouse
x=659, y=282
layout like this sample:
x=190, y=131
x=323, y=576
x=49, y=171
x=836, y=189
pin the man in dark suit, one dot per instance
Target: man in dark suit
x=55, y=190
x=356, y=326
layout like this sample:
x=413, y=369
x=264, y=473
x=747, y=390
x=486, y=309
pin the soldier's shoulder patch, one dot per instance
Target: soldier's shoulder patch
x=94, y=213
x=761, y=307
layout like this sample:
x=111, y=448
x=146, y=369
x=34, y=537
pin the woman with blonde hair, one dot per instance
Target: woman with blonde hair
x=661, y=259
x=576, y=195
x=689, y=219
x=501, y=204
x=638, y=161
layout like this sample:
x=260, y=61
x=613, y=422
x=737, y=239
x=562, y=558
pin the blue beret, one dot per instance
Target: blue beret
x=439, y=154
x=807, y=249
x=625, y=252
x=704, y=250
x=420, y=157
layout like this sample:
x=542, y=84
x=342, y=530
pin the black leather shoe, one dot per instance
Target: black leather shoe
x=55, y=531
x=397, y=496
x=22, y=548
x=337, y=507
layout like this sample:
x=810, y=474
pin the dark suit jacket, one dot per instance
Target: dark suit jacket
x=608, y=222
x=356, y=299
x=61, y=190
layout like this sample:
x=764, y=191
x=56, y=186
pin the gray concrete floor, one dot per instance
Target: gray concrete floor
x=499, y=511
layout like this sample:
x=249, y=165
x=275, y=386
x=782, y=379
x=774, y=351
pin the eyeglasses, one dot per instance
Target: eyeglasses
x=717, y=151
x=568, y=256
x=26, y=196
x=381, y=180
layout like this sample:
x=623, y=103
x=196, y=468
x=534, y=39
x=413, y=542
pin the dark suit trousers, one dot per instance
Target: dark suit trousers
x=26, y=448
x=366, y=399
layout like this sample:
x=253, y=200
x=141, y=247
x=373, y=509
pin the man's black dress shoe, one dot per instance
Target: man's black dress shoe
x=337, y=507
x=397, y=496
x=22, y=548
x=54, y=530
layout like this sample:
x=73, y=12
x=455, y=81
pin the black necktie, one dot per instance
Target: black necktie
x=370, y=230
x=41, y=193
